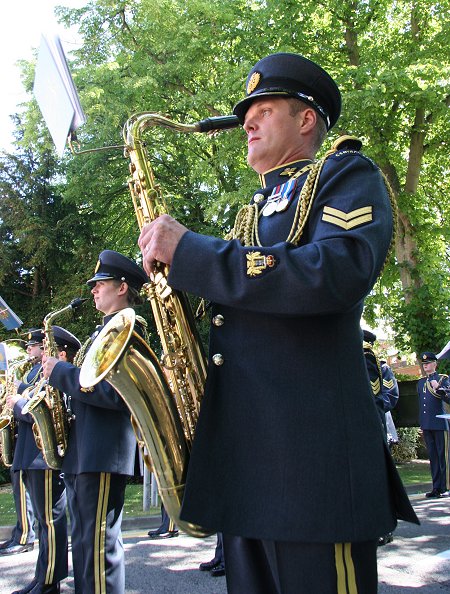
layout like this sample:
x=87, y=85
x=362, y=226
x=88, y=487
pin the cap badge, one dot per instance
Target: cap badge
x=253, y=82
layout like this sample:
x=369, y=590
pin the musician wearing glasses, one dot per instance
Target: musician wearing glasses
x=279, y=461
x=45, y=485
x=101, y=447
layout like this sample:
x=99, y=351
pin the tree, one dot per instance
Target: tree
x=189, y=59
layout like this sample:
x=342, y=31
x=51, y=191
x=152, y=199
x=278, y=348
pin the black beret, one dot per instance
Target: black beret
x=428, y=357
x=35, y=336
x=369, y=336
x=294, y=76
x=65, y=339
x=112, y=265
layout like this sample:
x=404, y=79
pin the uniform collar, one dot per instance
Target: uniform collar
x=110, y=317
x=281, y=174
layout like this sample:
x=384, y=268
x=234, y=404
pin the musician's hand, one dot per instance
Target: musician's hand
x=48, y=366
x=159, y=240
x=12, y=399
x=434, y=384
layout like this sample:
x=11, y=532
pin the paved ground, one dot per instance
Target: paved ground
x=417, y=562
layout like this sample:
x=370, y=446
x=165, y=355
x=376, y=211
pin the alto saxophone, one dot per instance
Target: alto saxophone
x=163, y=397
x=7, y=424
x=46, y=404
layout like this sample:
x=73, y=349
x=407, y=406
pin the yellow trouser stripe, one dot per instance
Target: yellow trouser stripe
x=100, y=533
x=48, y=506
x=23, y=511
x=345, y=570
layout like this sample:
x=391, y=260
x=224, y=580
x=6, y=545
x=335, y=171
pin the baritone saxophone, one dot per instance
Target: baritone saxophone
x=164, y=395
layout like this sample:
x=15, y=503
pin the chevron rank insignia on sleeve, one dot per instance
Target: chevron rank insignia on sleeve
x=346, y=220
x=375, y=386
x=388, y=383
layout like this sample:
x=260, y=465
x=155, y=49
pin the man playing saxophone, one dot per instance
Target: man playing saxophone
x=46, y=486
x=101, y=446
x=279, y=460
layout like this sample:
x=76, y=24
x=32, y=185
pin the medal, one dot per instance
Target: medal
x=272, y=201
x=269, y=209
x=282, y=204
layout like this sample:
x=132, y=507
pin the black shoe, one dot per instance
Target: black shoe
x=208, y=565
x=384, y=540
x=434, y=494
x=28, y=588
x=14, y=549
x=169, y=534
x=46, y=589
x=6, y=543
x=218, y=571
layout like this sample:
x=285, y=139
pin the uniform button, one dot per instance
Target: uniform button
x=218, y=359
x=257, y=198
x=218, y=320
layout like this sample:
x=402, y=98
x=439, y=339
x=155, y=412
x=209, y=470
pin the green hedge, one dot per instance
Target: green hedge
x=406, y=448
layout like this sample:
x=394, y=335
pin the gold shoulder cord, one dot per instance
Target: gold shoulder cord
x=79, y=357
x=246, y=224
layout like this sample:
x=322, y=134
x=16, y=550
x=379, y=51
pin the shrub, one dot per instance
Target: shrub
x=5, y=476
x=406, y=448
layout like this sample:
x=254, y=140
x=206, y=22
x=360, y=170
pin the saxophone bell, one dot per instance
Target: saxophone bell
x=122, y=358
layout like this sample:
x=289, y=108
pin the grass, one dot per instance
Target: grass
x=412, y=473
x=132, y=508
x=415, y=472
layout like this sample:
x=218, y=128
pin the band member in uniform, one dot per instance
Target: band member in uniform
x=102, y=445
x=22, y=535
x=279, y=461
x=167, y=528
x=433, y=392
x=46, y=488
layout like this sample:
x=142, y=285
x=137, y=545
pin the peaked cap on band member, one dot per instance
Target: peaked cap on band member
x=65, y=339
x=428, y=357
x=294, y=76
x=112, y=265
x=369, y=336
x=35, y=336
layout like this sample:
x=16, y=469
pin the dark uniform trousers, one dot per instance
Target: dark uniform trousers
x=48, y=496
x=271, y=567
x=437, y=444
x=23, y=531
x=96, y=502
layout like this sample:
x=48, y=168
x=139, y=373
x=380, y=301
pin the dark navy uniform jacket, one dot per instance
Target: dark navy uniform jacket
x=27, y=456
x=389, y=388
x=432, y=404
x=288, y=444
x=101, y=438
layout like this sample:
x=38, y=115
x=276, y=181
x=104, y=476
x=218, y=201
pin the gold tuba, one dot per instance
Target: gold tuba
x=163, y=397
x=46, y=404
x=17, y=369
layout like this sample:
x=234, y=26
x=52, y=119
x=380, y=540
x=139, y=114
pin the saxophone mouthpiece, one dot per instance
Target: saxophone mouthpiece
x=218, y=123
x=77, y=302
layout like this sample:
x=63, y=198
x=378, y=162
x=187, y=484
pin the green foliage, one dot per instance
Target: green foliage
x=188, y=59
x=406, y=448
